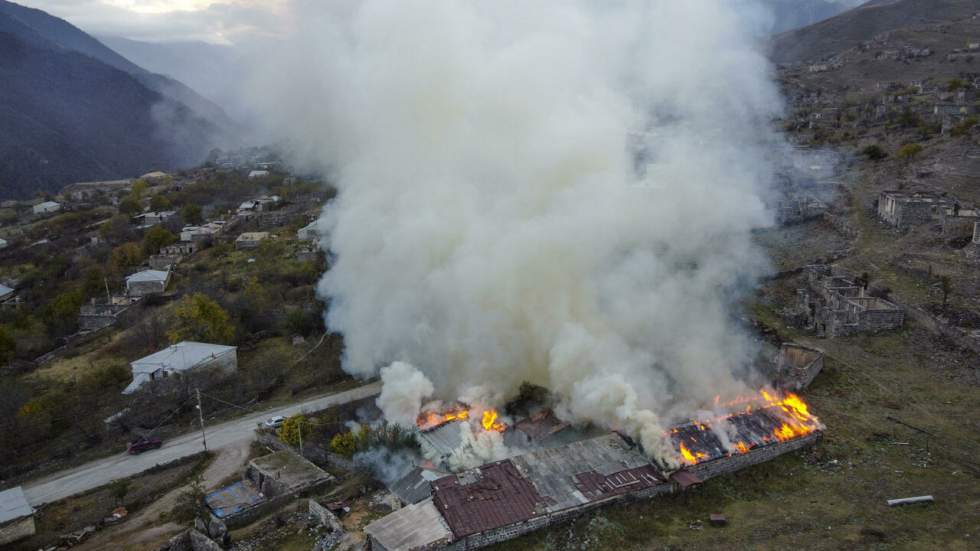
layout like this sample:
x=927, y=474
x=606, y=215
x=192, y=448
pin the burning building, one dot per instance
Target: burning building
x=504, y=499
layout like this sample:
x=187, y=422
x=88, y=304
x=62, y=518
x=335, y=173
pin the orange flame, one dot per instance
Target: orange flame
x=428, y=420
x=793, y=413
x=490, y=422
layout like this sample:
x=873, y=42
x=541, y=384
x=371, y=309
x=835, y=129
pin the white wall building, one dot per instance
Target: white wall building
x=46, y=207
x=181, y=358
x=147, y=282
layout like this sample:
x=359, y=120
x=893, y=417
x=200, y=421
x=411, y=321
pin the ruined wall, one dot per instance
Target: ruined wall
x=958, y=226
x=909, y=214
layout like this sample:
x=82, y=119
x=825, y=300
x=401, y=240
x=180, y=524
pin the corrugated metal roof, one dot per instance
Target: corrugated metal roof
x=494, y=495
x=148, y=275
x=14, y=505
x=441, y=441
x=180, y=357
x=412, y=527
x=414, y=486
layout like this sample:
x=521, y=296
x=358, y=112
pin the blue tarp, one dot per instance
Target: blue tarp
x=232, y=499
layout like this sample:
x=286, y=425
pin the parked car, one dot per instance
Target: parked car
x=144, y=443
x=275, y=422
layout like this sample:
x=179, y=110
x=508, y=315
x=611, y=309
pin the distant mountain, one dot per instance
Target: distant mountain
x=217, y=72
x=793, y=14
x=72, y=109
x=849, y=29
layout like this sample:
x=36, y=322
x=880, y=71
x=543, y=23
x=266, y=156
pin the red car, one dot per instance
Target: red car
x=143, y=444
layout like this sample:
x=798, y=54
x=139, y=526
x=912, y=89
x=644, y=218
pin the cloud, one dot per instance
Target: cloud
x=229, y=21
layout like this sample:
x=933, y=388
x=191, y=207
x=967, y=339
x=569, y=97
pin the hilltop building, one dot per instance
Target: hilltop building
x=180, y=358
x=47, y=207
x=147, y=282
x=905, y=209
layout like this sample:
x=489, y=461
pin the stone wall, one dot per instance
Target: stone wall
x=711, y=469
x=18, y=529
x=191, y=540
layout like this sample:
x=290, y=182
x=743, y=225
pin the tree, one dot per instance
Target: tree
x=190, y=503
x=199, y=318
x=61, y=314
x=139, y=188
x=956, y=84
x=129, y=206
x=874, y=152
x=8, y=346
x=343, y=443
x=191, y=214
x=909, y=151
x=118, y=489
x=93, y=285
x=159, y=202
x=156, y=238
x=294, y=429
x=126, y=256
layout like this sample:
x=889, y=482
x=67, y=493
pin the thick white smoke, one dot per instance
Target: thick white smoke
x=560, y=192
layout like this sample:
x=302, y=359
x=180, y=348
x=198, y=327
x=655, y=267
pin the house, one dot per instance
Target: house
x=147, y=282
x=46, y=207
x=251, y=240
x=836, y=306
x=310, y=232
x=257, y=174
x=3, y=243
x=155, y=177
x=181, y=358
x=204, y=233
x=97, y=315
x=189, y=247
x=957, y=221
x=264, y=203
x=149, y=219
x=6, y=292
x=905, y=209
x=83, y=191
x=16, y=516
x=268, y=483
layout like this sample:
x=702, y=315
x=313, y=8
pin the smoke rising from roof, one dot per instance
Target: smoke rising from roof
x=557, y=192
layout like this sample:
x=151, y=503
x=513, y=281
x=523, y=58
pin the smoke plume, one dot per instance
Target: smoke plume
x=559, y=192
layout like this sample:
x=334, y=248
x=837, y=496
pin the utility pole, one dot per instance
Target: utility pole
x=108, y=296
x=200, y=413
x=300, y=424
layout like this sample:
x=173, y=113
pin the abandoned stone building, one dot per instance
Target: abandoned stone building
x=837, y=306
x=268, y=483
x=97, y=315
x=796, y=366
x=502, y=500
x=794, y=210
x=957, y=221
x=906, y=209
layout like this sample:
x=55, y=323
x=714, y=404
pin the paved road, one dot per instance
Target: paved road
x=101, y=472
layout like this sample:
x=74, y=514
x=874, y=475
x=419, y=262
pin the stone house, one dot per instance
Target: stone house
x=201, y=234
x=180, y=358
x=836, y=306
x=150, y=219
x=284, y=472
x=180, y=249
x=905, y=209
x=308, y=232
x=16, y=516
x=147, y=282
x=86, y=191
x=250, y=240
x=958, y=222
x=95, y=315
x=797, y=366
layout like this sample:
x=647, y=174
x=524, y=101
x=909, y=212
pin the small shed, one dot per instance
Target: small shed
x=284, y=472
x=147, y=282
x=16, y=516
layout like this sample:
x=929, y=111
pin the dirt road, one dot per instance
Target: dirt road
x=231, y=434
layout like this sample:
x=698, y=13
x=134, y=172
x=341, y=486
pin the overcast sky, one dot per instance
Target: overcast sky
x=219, y=21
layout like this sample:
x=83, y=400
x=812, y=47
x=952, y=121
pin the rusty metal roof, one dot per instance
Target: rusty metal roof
x=488, y=497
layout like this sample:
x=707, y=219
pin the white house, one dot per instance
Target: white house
x=181, y=358
x=46, y=207
x=308, y=232
x=16, y=516
x=3, y=243
x=5, y=292
x=201, y=233
x=257, y=174
x=250, y=240
x=147, y=282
